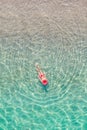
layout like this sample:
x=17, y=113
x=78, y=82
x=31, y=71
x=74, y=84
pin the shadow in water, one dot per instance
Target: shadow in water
x=45, y=88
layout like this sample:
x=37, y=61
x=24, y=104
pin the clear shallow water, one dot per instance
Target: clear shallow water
x=59, y=44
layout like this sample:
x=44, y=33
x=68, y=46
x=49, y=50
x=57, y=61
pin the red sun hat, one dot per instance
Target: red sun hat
x=44, y=81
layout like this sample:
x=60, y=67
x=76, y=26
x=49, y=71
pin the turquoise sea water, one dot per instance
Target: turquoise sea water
x=43, y=33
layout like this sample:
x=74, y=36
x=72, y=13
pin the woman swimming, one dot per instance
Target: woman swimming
x=41, y=76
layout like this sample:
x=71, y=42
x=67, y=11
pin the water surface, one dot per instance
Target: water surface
x=53, y=34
